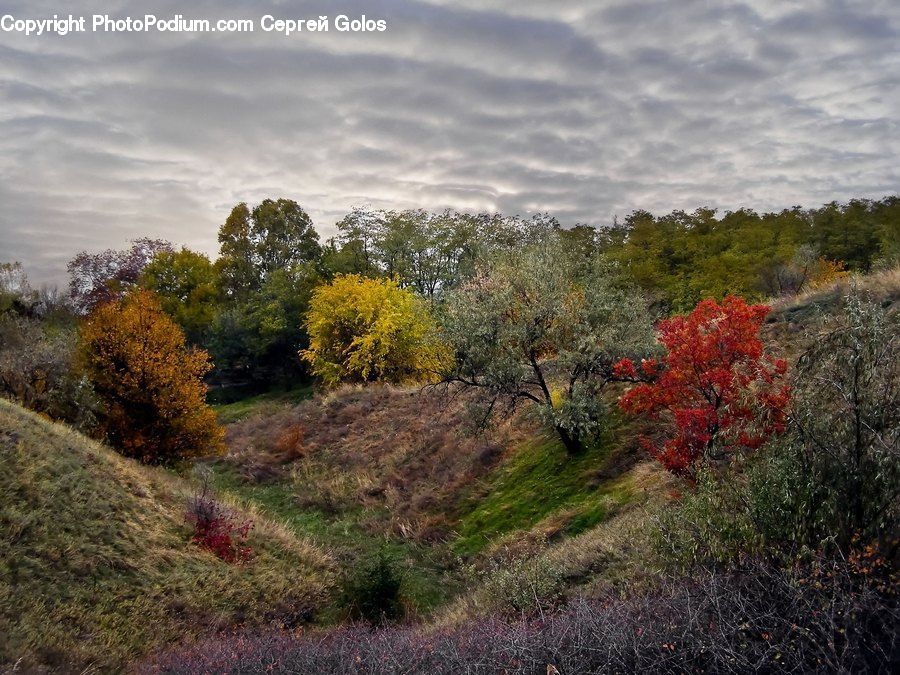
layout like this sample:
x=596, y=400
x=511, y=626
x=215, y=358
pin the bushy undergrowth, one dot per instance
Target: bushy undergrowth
x=36, y=370
x=827, y=617
x=216, y=528
x=832, y=478
x=519, y=585
x=373, y=591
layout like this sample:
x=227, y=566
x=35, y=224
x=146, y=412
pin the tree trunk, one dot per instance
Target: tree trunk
x=572, y=443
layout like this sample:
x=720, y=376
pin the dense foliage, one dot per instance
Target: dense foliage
x=846, y=422
x=37, y=352
x=267, y=268
x=427, y=252
x=530, y=328
x=683, y=258
x=715, y=387
x=187, y=286
x=150, y=383
x=365, y=330
x=832, y=480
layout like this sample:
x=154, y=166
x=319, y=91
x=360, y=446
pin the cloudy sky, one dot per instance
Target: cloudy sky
x=583, y=108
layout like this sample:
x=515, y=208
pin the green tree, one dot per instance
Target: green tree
x=187, y=286
x=275, y=235
x=284, y=236
x=258, y=339
x=528, y=329
x=237, y=255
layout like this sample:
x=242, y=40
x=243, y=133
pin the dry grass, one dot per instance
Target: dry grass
x=96, y=564
x=400, y=450
x=882, y=286
x=795, y=319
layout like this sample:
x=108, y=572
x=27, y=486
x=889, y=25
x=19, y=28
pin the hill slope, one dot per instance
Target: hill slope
x=96, y=564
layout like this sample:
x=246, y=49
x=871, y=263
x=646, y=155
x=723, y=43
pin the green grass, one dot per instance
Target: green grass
x=238, y=410
x=351, y=535
x=538, y=481
x=96, y=563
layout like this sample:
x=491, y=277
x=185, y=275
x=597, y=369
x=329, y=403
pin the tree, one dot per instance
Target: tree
x=186, y=284
x=526, y=329
x=366, y=330
x=150, y=384
x=845, y=422
x=716, y=390
x=37, y=370
x=257, y=340
x=96, y=278
x=237, y=254
x=275, y=235
x=429, y=252
x=358, y=230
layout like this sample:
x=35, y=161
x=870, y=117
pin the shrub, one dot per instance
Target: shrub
x=538, y=329
x=716, y=390
x=366, y=330
x=832, y=478
x=216, y=529
x=37, y=370
x=373, y=592
x=846, y=423
x=521, y=584
x=759, y=618
x=149, y=382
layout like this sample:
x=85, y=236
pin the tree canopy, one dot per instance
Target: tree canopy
x=529, y=328
x=365, y=330
x=149, y=382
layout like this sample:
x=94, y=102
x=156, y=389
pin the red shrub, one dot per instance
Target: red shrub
x=716, y=388
x=216, y=529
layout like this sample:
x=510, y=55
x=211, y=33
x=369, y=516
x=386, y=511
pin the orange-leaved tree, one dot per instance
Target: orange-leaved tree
x=150, y=383
x=716, y=390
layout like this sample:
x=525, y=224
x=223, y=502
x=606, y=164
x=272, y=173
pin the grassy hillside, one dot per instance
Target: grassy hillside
x=97, y=568
x=365, y=468
x=96, y=564
x=360, y=470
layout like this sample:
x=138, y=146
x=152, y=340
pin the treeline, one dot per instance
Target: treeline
x=246, y=308
x=680, y=258
x=683, y=258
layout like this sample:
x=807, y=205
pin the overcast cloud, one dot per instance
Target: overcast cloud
x=583, y=108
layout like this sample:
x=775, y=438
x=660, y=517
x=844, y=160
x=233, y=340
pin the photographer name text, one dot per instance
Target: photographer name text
x=177, y=23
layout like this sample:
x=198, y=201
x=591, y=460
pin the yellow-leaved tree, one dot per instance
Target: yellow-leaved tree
x=371, y=330
x=150, y=383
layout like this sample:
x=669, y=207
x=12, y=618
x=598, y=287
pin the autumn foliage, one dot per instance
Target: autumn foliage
x=216, y=529
x=368, y=330
x=716, y=390
x=149, y=382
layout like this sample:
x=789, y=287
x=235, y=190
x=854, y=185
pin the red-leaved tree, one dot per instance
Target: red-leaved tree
x=716, y=391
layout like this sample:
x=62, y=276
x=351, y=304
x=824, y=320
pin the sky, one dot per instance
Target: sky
x=582, y=108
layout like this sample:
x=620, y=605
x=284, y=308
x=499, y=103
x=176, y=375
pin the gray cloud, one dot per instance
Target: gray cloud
x=583, y=108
